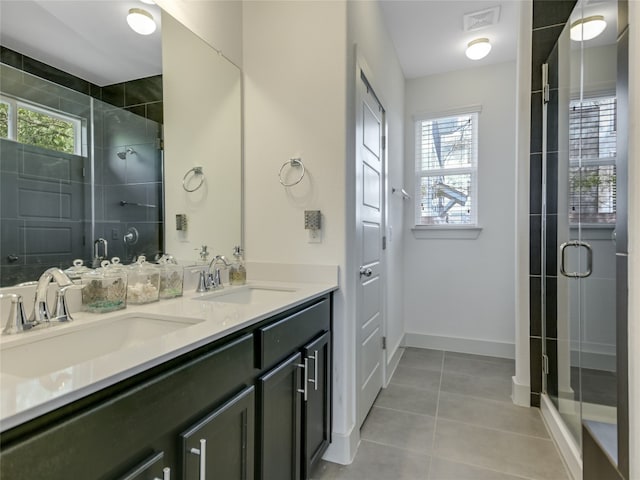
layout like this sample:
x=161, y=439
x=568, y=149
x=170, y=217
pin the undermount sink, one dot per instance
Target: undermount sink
x=64, y=347
x=248, y=295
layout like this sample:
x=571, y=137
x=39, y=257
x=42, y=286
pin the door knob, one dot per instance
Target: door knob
x=365, y=272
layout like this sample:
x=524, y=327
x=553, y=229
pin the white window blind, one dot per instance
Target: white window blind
x=446, y=170
x=592, y=161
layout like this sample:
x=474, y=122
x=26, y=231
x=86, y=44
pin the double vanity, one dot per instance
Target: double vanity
x=230, y=384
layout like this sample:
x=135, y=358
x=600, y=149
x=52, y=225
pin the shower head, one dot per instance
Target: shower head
x=123, y=155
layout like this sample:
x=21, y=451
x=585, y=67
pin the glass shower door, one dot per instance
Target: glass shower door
x=578, y=227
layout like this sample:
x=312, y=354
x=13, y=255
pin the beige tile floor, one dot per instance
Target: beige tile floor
x=449, y=416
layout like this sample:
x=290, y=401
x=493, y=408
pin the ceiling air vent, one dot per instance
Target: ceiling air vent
x=481, y=19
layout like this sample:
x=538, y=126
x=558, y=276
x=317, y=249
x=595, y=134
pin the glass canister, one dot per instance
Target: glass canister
x=103, y=290
x=171, y=277
x=76, y=271
x=143, y=282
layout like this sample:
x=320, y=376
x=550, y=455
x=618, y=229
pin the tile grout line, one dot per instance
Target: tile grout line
x=470, y=424
x=435, y=423
x=494, y=429
x=402, y=449
x=484, y=467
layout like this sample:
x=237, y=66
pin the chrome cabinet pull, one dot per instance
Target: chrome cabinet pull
x=166, y=474
x=365, y=272
x=202, y=453
x=314, y=380
x=577, y=244
x=305, y=368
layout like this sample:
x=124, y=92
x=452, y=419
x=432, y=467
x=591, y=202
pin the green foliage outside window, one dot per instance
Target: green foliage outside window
x=46, y=131
x=4, y=120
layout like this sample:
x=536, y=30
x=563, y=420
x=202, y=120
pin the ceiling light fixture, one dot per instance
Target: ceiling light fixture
x=478, y=48
x=141, y=21
x=587, y=28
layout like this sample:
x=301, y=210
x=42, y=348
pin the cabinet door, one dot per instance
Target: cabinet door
x=221, y=445
x=280, y=421
x=316, y=419
x=153, y=468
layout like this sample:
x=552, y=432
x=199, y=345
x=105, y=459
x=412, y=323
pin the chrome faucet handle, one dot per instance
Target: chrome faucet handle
x=17, y=321
x=202, y=283
x=62, y=307
x=217, y=279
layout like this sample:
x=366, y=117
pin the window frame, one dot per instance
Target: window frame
x=454, y=230
x=12, y=120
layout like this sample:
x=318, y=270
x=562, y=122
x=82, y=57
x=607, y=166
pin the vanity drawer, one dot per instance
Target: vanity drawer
x=283, y=337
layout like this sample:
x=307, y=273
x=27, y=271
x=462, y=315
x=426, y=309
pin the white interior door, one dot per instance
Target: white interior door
x=369, y=233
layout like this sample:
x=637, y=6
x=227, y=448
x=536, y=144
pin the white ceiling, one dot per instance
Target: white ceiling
x=90, y=39
x=429, y=36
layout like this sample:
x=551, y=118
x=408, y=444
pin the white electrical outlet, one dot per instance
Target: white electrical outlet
x=315, y=236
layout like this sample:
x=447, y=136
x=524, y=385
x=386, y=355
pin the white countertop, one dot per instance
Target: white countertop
x=22, y=399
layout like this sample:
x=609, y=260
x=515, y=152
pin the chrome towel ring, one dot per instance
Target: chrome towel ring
x=294, y=162
x=196, y=171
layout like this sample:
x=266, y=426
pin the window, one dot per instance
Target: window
x=39, y=126
x=592, y=161
x=446, y=169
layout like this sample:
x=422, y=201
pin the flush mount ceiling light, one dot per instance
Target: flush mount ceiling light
x=587, y=28
x=478, y=48
x=141, y=21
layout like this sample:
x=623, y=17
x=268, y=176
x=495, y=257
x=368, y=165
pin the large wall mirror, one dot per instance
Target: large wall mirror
x=99, y=129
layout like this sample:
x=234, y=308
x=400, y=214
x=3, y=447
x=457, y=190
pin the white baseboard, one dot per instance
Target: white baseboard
x=343, y=447
x=594, y=360
x=520, y=393
x=392, y=364
x=461, y=345
x=562, y=437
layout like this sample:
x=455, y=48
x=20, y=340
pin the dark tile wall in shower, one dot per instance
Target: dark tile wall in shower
x=141, y=96
x=136, y=123
x=549, y=17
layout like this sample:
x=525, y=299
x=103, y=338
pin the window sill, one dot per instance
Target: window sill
x=438, y=232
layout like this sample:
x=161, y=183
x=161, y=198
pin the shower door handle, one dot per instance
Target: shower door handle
x=577, y=244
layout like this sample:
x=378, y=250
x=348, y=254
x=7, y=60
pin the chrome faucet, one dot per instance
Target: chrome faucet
x=214, y=278
x=40, y=309
x=97, y=259
x=211, y=279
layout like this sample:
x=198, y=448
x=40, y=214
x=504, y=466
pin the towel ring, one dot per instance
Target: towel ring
x=195, y=171
x=294, y=162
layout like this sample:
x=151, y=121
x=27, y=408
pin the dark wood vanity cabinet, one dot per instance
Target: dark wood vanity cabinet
x=316, y=413
x=221, y=444
x=294, y=395
x=229, y=410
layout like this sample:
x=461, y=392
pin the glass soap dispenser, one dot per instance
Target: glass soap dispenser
x=237, y=272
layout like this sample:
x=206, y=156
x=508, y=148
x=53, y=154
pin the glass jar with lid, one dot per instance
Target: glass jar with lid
x=143, y=282
x=171, y=277
x=77, y=269
x=103, y=289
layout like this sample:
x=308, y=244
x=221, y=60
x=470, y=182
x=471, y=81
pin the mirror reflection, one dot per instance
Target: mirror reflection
x=82, y=154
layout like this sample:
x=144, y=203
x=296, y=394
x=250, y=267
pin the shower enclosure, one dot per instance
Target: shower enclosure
x=75, y=170
x=579, y=231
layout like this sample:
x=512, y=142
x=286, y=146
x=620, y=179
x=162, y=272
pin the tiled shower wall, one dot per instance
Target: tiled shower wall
x=131, y=118
x=549, y=18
